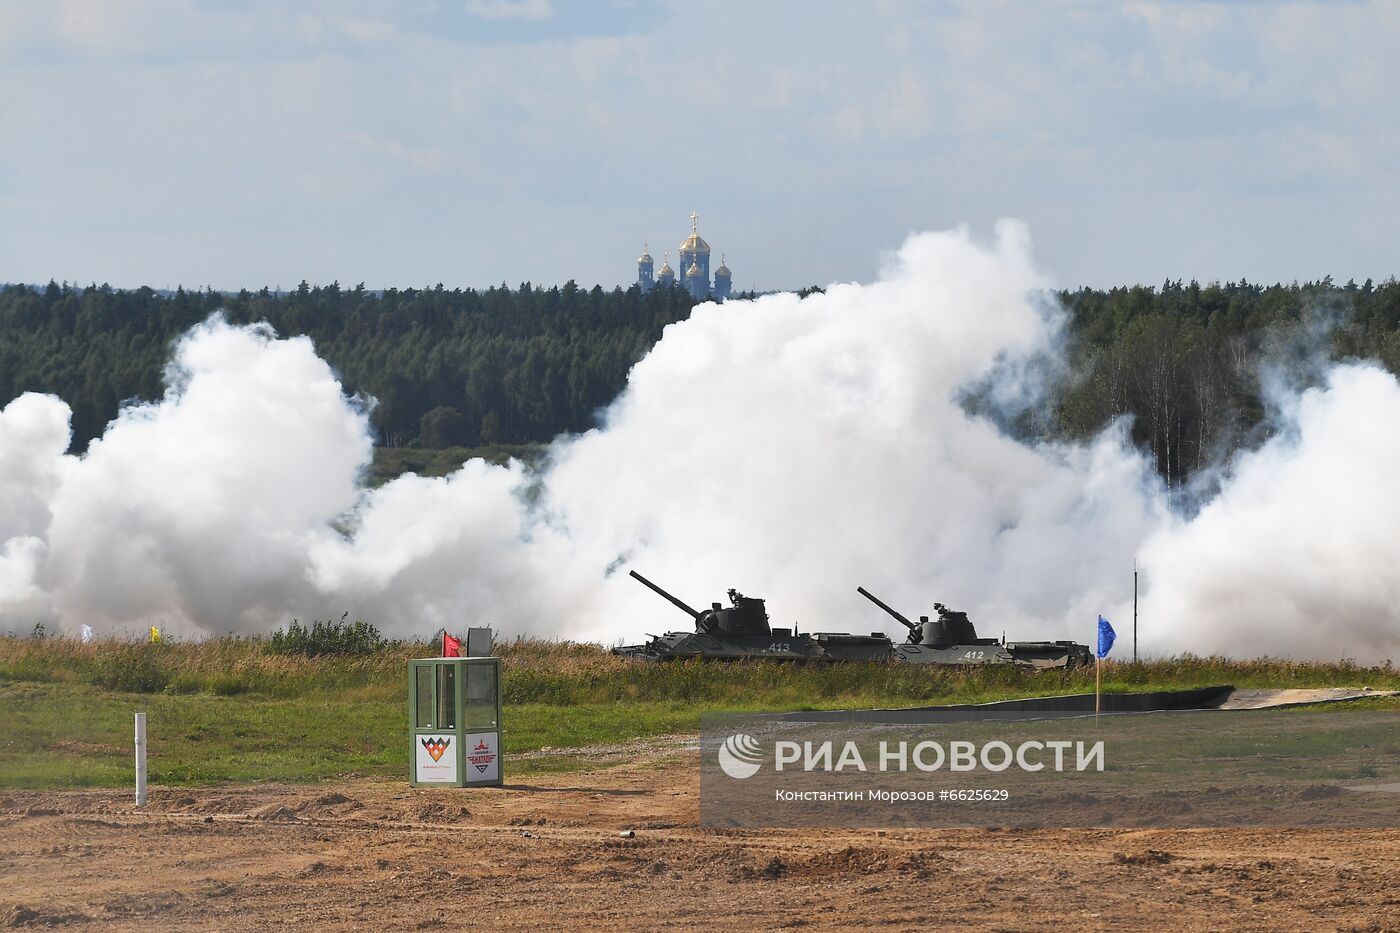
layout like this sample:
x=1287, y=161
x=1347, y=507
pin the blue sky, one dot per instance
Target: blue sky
x=402, y=143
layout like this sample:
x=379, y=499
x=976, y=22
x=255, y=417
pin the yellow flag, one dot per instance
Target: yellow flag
x=155, y=635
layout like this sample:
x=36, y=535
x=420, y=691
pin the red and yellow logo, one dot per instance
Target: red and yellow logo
x=435, y=747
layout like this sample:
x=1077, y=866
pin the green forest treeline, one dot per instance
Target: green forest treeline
x=448, y=368
x=513, y=366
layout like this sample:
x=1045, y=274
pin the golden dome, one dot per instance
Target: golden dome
x=694, y=271
x=666, y=265
x=723, y=269
x=646, y=255
x=693, y=244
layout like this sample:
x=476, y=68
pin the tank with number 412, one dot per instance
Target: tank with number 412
x=952, y=639
x=741, y=630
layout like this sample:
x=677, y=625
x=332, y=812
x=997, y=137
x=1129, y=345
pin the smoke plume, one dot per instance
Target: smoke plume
x=1297, y=554
x=792, y=448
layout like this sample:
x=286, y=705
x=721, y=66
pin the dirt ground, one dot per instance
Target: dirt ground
x=548, y=853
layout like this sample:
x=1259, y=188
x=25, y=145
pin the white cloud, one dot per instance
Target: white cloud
x=1181, y=19
x=863, y=122
x=431, y=159
x=532, y=10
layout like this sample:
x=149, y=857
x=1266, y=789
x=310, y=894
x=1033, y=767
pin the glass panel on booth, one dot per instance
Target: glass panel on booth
x=481, y=696
x=423, y=679
x=447, y=696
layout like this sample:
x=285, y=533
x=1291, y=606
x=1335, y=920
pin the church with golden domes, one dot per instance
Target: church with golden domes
x=694, y=277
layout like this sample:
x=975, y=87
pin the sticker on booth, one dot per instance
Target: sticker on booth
x=437, y=759
x=483, y=759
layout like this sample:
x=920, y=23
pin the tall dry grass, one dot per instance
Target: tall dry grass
x=566, y=673
x=223, y=666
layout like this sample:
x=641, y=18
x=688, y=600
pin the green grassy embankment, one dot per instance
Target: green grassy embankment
x=229, y=710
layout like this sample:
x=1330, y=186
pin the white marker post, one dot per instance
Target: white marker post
x=1098, y=666
x=140, y=759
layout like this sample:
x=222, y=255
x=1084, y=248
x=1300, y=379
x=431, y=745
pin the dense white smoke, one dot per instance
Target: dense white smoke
x=798, y=448
x=790, y=448
x=1298, y=554
x=196, y=512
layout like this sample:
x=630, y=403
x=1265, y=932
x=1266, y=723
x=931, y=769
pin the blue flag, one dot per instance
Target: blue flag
x=1106, y=637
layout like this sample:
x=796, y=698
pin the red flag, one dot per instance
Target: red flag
x=451, y=647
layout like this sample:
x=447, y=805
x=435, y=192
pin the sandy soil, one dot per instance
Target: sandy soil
x=1306, y=696
x=547, y=854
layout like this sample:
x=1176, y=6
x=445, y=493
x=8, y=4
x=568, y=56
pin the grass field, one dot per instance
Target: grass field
x=228, y=710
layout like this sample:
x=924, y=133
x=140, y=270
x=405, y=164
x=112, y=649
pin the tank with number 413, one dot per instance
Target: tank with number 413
x=741, y=630
x=952, y=639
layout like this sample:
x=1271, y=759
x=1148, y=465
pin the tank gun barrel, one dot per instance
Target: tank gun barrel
x=876, y=600
x=665, y=595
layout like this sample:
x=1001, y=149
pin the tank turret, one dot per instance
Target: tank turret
x=742, y=630
x=950, y=628
x=746, y=615
x=952, y=639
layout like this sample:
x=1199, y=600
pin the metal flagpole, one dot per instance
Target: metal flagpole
x=1097, y=662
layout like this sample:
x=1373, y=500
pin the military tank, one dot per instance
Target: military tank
x=952, y=639
x=741, y=630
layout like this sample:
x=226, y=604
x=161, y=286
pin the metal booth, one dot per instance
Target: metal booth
x=454, y=712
